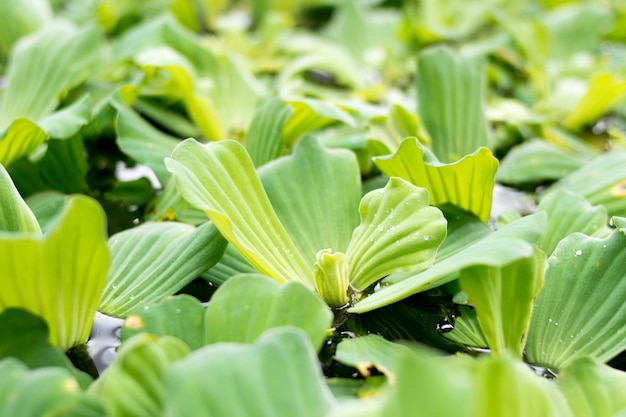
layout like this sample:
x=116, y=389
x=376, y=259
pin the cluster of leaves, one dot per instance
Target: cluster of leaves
x=335, y=169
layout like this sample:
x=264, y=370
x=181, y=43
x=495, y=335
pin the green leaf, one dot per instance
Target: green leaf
x=309, y=115
x=370, y=351
x=181, y=316
x=264, y=140
x=64, y=166
x=220, y=179
x=20, y=19
x=154, y=260
x=21, y=138
x=467, y=183
x=450, y=95
x=15, y=215
x=279, y=375
x=67, y=121
x=134, y=383
x=569, y=213
x=580, y=311
x=232, y=263
x=141, y=141
x=315, y=192
x=246, y=305
x=58, y=393
x=399, y=232
x=592, y=388
x=536, y=161
x=503, y=298
x=603, y=93
x=601, y=181
x=59, y=276
x=169, y=205
x=497, y=249
x=467, y=331
x=25, y=337
x=45, y=206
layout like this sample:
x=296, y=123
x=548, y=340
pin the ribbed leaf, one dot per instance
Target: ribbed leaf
x=569, y=213
x=45, y=207
x=602, y=182
x=232, y=263
x=134, y=383
x=21, y=18
x=170, y=205
x=15, y=215
x=536, y=161
x=399, y=232
x=497, y=249
x=467, y=183
x=67, y=121
x=603, y=93
x=220, y=179
x=503, y=298
x=371, y=351
x=309, y=115
x=593, y=389
x=315, y=193
x=59, y=276
x=264, y=140
x=467, y=331
x=277, y=376
x=450, y=96
x=181, y=316
x=21, y=138
x=57, y=391
x=154, y=260
x=247, y=305
x=581, y=309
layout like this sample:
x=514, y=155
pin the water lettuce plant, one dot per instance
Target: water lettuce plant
x=312, y=208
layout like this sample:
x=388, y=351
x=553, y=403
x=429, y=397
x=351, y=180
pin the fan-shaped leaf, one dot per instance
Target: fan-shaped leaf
x=581, y=309
x=220, y=179
x=15, y=215
x=399, y=232
x=21, y=138
x=58, y=276
x=246, y=305
x=154, y=260
x=279, y=375
x=467, y=183
x=264, y=140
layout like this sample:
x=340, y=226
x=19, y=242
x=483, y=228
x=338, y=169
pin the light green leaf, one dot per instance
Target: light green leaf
x=569, y=213
x=264, y=140
x=536, y=161
x=467, y=331
x=44, y=66
x=43, y=273
x=279, y=375
x=309, y=115
x=181, y=316
x=497, y=249
x=134, y=383
x=246, y=305
x=232, y=263
x=603, y=93
x=220, y=179
x=601, y=181
x=141, y=141
x=315, y=192
x=467, y=183
x=19, y=19
x=154, y=260
x=503, y=298
x=15, y=215
x=399, y=232
x=67, y=121
x=58, y=393
x=450, y=96
x=64, y=166
x=45, y=207
x=592, y=388
x=21, y=138
x=370, y=351
x=581, y=309
x=169, y=205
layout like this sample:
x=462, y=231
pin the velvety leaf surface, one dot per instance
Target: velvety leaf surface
x=154, y=260
x=450, y=96
x=503, y=298
x=57, y=393
x=246, y=305
x=581, y=309
x=134, y=383
x=569, y=213
x=315, y=192
x=181, y=316
x=467, y=183
x=399, y=232
x=592, y=388
x=220, y=179
x=279, y=375
x=41, y=273
x=15, y=215
x=497, y=249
